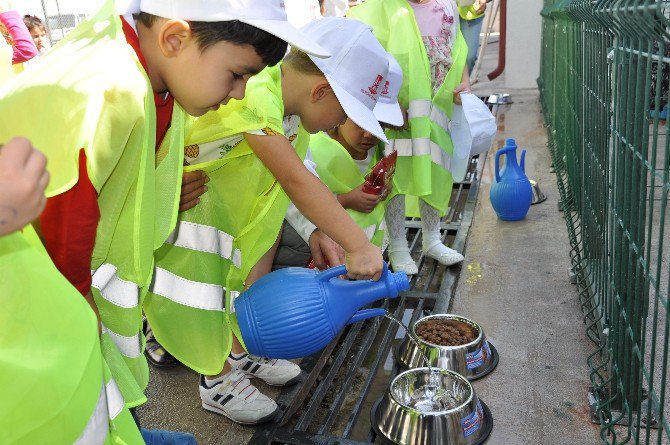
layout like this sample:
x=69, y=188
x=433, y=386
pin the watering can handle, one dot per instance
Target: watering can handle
x=498, y=154
x=364, y=314
x=333, y=272
x=523, y=161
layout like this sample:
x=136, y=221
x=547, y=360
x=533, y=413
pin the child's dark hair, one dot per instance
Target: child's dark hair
x=32, y=22
x=270, y=49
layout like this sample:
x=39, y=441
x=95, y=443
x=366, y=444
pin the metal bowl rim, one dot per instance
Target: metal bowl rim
x=450, y=317
x=389, y=392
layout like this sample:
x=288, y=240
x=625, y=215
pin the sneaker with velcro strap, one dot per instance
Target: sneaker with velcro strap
x=237, y=399
x=274, y=372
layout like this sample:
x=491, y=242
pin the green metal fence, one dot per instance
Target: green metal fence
x=604, y=83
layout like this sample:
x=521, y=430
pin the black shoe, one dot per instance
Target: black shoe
x=156, y=354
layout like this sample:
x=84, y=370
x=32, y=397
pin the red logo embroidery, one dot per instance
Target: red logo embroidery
x=385, y=90
x=373, y=88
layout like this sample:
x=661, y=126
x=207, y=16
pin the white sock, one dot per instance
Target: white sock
x=213, y=381
x=239, y=356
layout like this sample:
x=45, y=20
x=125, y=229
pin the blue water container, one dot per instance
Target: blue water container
x=295, y=312
x=512, y=193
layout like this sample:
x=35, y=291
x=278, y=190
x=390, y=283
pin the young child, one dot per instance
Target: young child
x=16, y=45
x=252, y=152
x=47, y=332
x=38, y=32
x=424, y=37
x=347, y=153
x=119, y=89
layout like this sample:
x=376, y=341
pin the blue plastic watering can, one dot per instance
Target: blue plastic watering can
x=295, y=312
x=512, y=193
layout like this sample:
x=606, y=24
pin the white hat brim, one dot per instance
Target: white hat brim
x=389, y=113
x=357, y=111
x=289, y=33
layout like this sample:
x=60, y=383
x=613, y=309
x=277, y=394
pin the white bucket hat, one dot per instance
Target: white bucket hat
x=388, y=109
x=268, y=15
x=356, y=70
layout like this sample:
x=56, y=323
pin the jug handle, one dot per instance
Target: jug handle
x=333, y=272
x=498, y=154
x=523, y=161
x=364, y=314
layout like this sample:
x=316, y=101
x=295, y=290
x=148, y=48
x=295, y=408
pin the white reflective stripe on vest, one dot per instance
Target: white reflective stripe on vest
x=115, y=402
x=130, y=347
x=97, y=428
x=424, y=108
x=370, y=231
x=422, y=147
x=233, y=295
x=113, y=289
x=205, y=239
x=186, y=292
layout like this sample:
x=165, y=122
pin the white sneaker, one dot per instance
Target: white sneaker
x=401, y=260
x=237, y=399
x=443, y=254
x=273, y=372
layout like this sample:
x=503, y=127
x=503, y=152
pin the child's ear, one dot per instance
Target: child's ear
x=321, y=90
x=173, y=36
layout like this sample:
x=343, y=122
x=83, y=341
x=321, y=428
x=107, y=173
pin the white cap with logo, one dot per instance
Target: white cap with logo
x=356, y=70
x=268, y=15
x=388, y=109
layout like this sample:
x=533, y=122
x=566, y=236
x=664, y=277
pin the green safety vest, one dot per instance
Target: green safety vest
x=339, y=172
x=425, y=150
x=91, y=92
x=202, y=267
x=55, y=386
x=469, y=13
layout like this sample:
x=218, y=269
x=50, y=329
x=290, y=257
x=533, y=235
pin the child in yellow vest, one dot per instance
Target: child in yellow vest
x=343, y=157
x=47, y=331
x=252, y=152
x=119, y=89
x=424, y=36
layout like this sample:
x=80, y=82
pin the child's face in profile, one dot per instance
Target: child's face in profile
x=39, y=36
x=360, y=141
x=201, y=80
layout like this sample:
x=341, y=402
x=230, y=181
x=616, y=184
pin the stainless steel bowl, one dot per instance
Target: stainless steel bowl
x=408, y=413
x=473, y=360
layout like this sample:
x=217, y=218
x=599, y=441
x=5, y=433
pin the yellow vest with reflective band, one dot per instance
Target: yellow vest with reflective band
x=425, y=150
x=469, y=12
x=91, y=92
x=203, y=265
x=339, y=172
x=55, y=386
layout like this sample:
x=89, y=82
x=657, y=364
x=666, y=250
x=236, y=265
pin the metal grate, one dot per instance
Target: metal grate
x=332, y=404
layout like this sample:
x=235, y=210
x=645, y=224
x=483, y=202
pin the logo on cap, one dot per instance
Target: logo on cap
x=385, y=89
x=372, y=89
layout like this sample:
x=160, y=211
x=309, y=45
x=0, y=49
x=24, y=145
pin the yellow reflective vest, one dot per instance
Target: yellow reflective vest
x=90, y=92
x=203, y=265
x=56, y=388
x=426, y=148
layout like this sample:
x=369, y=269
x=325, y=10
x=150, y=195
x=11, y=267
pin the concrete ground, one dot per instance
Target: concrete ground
x=515, y=284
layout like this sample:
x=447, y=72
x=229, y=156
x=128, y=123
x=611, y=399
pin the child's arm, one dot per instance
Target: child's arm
x=463, y=86
x=24, y=47
x=317, y=203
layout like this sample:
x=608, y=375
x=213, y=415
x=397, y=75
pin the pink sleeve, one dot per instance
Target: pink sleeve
x=24, y=48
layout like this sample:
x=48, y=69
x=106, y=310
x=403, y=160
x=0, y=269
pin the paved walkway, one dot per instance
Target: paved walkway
x=514, y=282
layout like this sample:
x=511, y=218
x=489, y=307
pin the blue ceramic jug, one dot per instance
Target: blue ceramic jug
x=512, y=193
x=295, y=312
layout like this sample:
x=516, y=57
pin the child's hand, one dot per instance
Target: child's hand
x=464, y=87
x=325, y=252
x=365, y=263
x=358, y=200
x=192, y=187
x=23, y=179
